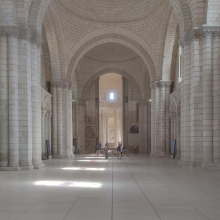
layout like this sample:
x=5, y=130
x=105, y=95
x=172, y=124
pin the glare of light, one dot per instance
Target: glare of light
x=93, y=160
x=83, y=168
x=149, y=100
x=94, y=157
x=68, y=184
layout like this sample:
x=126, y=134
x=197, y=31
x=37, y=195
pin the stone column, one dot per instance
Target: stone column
x=50, y=132
x=143, y=137
x=59, y=121
x=70, y=119
x=104, y=130
x=172, y=128
x=54, y=129
x=178, y=116
x=157, y=120
x=65, y=122
x=4, y=145
x=196, y=99
x=125, y=112
x=36, y=146
x=153, y=88
x=116, y=130
x=81, y=125
x=167, y=116
x=13, y=103
x=207, y=101
x=185, y=106
x=43, y=140
x=216, y=101
x=97, y=110
x=163, y=117
x=107, y=129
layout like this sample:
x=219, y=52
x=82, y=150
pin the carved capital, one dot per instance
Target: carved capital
x=36, y=38
x=198, y=34
x=9, y=31
x=24, y=34
x=165, y=83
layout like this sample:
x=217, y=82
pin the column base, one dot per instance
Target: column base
x=160, y=155
x=39, y=166
x=27, y=167
x=199, y=165
x=10, y=168
x=56, y=156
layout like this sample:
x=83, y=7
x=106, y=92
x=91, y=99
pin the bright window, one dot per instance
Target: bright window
x=112, y=96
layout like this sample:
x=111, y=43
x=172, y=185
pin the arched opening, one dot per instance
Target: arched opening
x=110, y=108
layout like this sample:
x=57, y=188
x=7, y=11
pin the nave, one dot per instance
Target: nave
x=89, y=188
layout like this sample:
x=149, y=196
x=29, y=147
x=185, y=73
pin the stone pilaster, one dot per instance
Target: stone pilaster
x=36, y=131
x=13, y=103
x=4, y=145
x=216, y=100
x=207, y=96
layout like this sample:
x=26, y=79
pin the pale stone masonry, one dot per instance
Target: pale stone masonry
x=54, y=52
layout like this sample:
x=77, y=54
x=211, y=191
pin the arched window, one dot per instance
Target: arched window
x=112, y=96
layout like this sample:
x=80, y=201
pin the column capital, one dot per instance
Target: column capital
x=161, y=83
x=36, y=38
x=22, y=33
x=198, y=34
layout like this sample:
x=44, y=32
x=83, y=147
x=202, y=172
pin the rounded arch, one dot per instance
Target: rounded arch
x=53, y=46
x=116, y=35
x=182, y=11
x=110, y=69
x=169, y=47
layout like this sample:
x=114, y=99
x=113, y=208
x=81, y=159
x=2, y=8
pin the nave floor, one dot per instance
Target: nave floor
x=134, y=188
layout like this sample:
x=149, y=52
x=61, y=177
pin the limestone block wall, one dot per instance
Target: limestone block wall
x=20, y=99
x=195, y=122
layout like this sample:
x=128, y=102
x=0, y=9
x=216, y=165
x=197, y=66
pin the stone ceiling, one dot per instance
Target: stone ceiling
x=111, y=11
x=111, y=52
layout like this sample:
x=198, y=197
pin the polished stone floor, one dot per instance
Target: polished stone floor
x=134, y=188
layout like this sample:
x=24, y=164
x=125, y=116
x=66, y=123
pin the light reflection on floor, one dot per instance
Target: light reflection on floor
x=94, y=157
x=83, y=168
x=68, y=184
x=92, y=160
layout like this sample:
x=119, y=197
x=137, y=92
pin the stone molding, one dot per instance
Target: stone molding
x=21, y=33
x=198, y=34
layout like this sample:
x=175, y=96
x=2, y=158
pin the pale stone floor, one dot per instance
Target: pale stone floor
x=135, y=188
